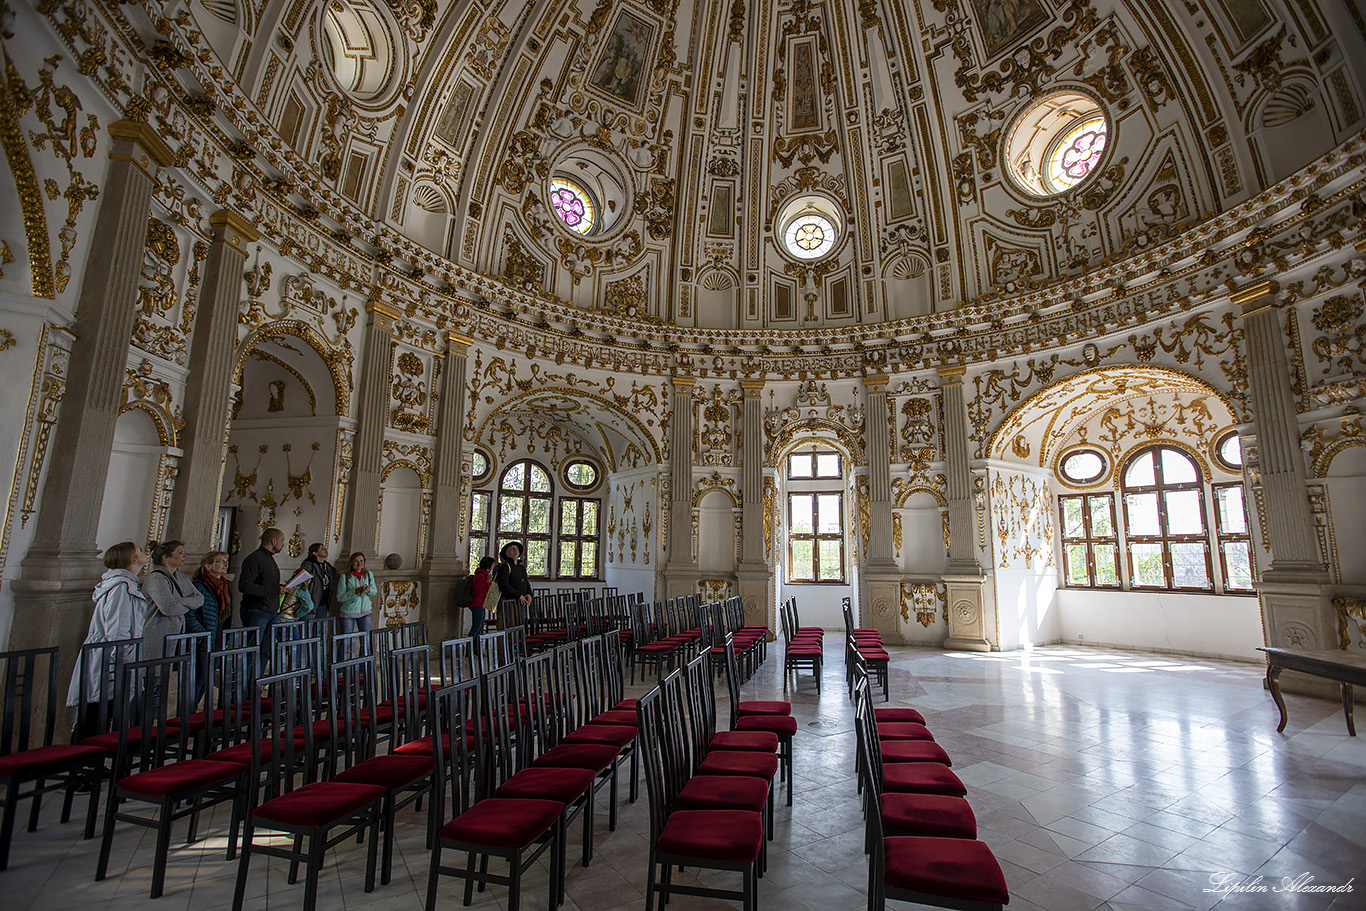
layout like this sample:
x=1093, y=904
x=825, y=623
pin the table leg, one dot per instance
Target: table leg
x=1273, y=683
x=1347, y=707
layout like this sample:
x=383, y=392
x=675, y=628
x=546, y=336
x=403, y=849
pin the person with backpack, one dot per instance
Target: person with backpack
x=482, y=582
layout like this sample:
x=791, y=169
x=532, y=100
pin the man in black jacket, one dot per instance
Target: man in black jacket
x=259, y=583
x=510, y=575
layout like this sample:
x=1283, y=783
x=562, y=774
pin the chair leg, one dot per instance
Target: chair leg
x=92, y=805
x=650, y=883
x=314, y=865
x=294, y=861
x=469, y=879
x=372, y=852
x=107, y=842
x=69, y=795
x=163, y=848
x=240, y=889
x=515, y=883
x=588, y=827
x=193, y=835
x=7, y=823
x=234, y=820
x=434, y=871
x=388, y=837
x=36, y=806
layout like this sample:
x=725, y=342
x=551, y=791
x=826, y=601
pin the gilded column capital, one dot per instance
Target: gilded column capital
x=1256, y=297
x=1360, y=245
x=952, y=373
x=683, y=382
x=150, y=151
x=876, y=383
x=752, y=388
x=382, y=315
x=458, y=344
x=233, y=229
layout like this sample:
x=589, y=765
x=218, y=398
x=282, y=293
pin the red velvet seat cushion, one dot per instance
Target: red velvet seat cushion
x=723, y=792
x=729, y=835
x=54, y=759
x=745, y=741
x=242, y=752
x=760, y=707
x=611, y=734
x=657, y=647
x=616, y=716
x=958, y=868
x=502, y=823
x=626, y=705
x=181, y=777
x=922, y=778
x=874, y=654
x=755, y=765
x=593, y=756
x=422, y=746
x=903, y=730
x=316, y=805
x=893, y=715
x=384, y=715
x=928, y=814
x=322, y=732
x=110, y=742
x=563, y=785
x=780, y=725
x=196, y=722
x=899, y=751
x=796, y=651
x=389, y=772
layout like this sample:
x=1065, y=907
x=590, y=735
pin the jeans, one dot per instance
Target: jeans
x=352, y=624
x=476, y=621
x=262, y=620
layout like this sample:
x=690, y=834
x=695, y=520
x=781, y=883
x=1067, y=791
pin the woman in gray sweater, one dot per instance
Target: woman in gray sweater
x=170, y=595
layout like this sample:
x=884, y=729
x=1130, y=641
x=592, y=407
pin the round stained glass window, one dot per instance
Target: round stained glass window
x=1077, y=153
x=809, y=236
x=1055, y=143
x=572, y=205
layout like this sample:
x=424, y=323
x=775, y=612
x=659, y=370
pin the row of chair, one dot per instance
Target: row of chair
x=805, y=645
x=864, y=644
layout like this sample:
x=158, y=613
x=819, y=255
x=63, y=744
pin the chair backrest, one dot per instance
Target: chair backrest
x=732, y=681
x=316, y=627
x=457, y=660
x=197, y=646
x=515, y=639
x=589, y=660
x=28, y=678
x=544, y=699
x=653, y=726
x=241, y=636
x=410, y=676
x=234, y=697
x=870, y=774
x=152, y=693
x=702, y=697
x=282, y=743
x=682, y=748
x=456, y=707
x=503, y=727
x=346, y=646
x=297, y=653
x=495, y=650
x=100, y=667
x=353, y=709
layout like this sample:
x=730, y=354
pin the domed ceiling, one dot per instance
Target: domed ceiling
x=780, y=164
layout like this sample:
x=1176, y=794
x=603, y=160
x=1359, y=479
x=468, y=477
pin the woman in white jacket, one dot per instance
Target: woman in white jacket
x=120, y=608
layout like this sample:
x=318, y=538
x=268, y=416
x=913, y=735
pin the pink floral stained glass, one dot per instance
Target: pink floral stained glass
x=1077, y=153
x=572, y=205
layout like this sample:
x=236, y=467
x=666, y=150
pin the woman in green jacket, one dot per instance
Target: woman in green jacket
x=355, y=590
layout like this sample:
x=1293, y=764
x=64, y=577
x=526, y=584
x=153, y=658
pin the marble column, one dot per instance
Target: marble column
x=1294, y=588
x=881, y=576
x=964, y=579
x=208, y=391
x=372, y=407
x=754, y=575
x=680, y=572
x=444, y=563
x=53, y=592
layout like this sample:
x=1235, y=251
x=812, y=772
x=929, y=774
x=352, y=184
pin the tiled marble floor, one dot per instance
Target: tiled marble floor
x=1101, y=779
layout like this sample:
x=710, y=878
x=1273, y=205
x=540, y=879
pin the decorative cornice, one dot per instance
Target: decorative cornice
x=752, y=388
x=145, y=138
x=875, y=383
x=952, y=372
x=683, y=382
x=458, y=344
x=383, y=310
x=233, y=229
x=1255, y=293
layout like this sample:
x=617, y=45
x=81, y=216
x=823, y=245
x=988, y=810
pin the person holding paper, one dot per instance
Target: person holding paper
x=259, y=583
x=323, y=581
x=354, y=593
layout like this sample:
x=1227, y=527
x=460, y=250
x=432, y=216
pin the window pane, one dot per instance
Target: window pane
x=799, y=465
x=515, y=477
x=1238, y=564
x=1073, y=521
x=829, y=514
x=540, y=481
x=1189, y=569
x=1232, y=516
x=537, y=558
x=477, y=546
x=569, y=553
x=802, y=521
x=479, y=464
x=538, y=522
x=1107, y=564
x=832, y=569
x=1082, y=467
x=569, y=517
x=510, y=513
x=1102, y=517
x=479, y=512
x=581, y=474
x=588, y=559
x=1142, y=509
x=827, y=465
x=1075, y=555
x=1231, y=449
x=802, y=561
x=590, y=517
x=1148, y=564
x=1177, y=468
x=1184, y=515
x=1140, y=472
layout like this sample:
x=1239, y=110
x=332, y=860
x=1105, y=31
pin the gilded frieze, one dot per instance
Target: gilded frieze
x=1022, y=514
x=152, y=395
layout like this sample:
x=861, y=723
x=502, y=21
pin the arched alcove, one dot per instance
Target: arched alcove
x=400, y=516
x=130, y=491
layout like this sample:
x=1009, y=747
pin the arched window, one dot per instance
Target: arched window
x=525, y=497
x=1164, y=520
x=815, y=516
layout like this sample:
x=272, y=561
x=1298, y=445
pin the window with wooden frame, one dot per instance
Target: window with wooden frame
x=815, y=537
x=479, y=527
x=1231, y=531
x=578, y=540
x=814, y=465
x=1090, y=544
x=525, y=497
x=1164, y=521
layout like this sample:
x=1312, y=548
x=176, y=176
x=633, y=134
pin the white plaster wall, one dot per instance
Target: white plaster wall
x=1222, y=626
x=820, y=605
x=715, y=535
x=1346, y=484
x=400, y=518
x=131, y=483
x=1027, y=608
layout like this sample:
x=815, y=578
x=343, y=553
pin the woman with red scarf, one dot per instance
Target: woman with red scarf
x=211, y=579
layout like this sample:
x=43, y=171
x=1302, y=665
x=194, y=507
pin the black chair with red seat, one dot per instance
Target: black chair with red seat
x=311, y=812
x=800, y=652
x=761, y=715
x=943, y=872
x=405, y=778
x=912, y=777
x=150, y=693
x=515, y=830
x=701, y=689
x=591, y=722
x=710, y=839
x=240, y=637
x=28, y=757
x=457, y=660
x=232, y=698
